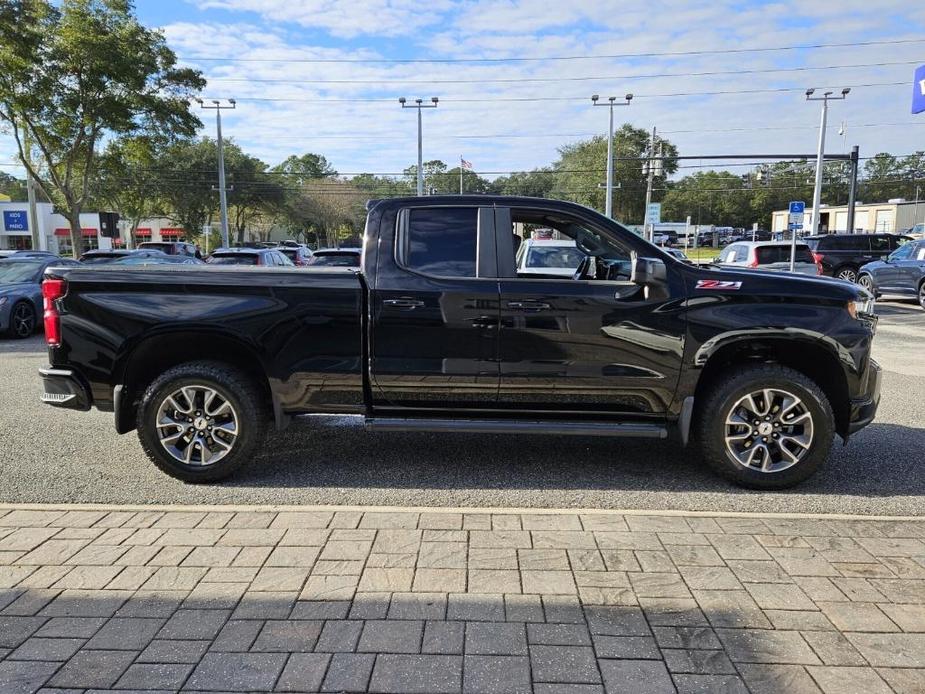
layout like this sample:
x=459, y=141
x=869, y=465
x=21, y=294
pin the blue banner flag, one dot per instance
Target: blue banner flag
x=918, y=90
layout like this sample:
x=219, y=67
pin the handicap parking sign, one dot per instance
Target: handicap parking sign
x=797, y=207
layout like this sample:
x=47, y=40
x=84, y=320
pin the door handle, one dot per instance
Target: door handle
x=528, y=305
x=405, y=304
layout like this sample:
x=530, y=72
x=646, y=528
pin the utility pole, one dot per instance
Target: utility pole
x=820, y=154
x=38, y=242
x=608, y=200
x=217, y=106
x=651, y=170
x=461, y=174
x=852, y=188
x=419, y=104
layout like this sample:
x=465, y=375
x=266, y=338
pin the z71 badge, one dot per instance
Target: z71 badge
x=718, y=284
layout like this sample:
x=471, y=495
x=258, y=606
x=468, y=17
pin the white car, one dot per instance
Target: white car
x=768, y=255
x=548, y=257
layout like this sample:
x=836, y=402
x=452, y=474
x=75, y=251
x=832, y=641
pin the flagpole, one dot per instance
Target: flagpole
x=460, y=174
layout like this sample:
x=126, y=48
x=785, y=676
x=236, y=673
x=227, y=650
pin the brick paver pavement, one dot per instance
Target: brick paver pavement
x=344, y=599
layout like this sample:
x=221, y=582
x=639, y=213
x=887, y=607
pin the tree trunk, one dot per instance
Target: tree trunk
x=76, y=233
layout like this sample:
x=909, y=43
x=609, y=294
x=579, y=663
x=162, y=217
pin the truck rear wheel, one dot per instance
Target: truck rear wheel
x=200, y=422
x=766, y=427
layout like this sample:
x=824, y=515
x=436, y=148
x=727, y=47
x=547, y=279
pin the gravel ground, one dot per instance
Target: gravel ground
x=62, y=456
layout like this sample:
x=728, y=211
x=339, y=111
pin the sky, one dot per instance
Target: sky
x=324, y=76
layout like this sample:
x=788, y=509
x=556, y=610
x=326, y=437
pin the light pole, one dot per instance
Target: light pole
x=217, y=106
x=608, y=201
x=820, y=154
x=419, y=104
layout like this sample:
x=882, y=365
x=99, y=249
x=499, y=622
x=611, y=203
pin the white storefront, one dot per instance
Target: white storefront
x=55, y=230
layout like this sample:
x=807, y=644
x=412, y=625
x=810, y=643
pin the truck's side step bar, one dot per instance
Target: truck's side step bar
x=511, y=426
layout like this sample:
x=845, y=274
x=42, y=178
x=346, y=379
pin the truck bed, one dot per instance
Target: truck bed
x=302, y=327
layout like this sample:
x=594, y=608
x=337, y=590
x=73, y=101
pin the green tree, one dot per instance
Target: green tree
x=538, y=183
x=129, y=181
x=709, y=197
x=305, y=167
x=582, y=166
x=75, y=72
x=14, y=188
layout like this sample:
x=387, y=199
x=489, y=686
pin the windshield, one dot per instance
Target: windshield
x=236, y=259
x=13, y=272
x=554, y=257
x=336, y=259
x=781, y=254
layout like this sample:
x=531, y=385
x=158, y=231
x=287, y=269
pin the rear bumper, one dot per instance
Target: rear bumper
x=64, y=388
x=864, y=408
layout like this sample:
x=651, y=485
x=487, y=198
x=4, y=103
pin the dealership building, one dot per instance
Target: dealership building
x=892, y=216
x=54, y=231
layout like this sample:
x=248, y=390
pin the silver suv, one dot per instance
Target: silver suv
x=769, y=255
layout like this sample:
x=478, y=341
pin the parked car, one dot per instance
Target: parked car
x=665, y=238
x=98, y=257
x=842, y=255
x=678, y=253
x=173, y=248
x=270, y=257
x=437, y=333
x=26, y=253
x=336, y=257
x=21, y=291
x=157, y=259
x=299, y=255
x=768, y=255
x=548, y=257
x=902, y=272
x=916, y=232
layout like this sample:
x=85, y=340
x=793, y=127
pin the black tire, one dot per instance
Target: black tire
x=233, y=386
x=718, y=404
x=847, y=273
x=22, y=320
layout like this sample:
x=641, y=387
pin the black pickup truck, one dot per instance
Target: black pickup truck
x=435, y=331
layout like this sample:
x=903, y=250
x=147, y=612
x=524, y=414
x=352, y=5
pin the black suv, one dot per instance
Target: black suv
x=172, y=248
x=841, y=255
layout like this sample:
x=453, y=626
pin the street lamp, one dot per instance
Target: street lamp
x=217, y=106
x=608, y=201
x=419, y=104
x=817, y=188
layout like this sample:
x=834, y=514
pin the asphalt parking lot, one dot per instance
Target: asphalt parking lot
x=57, y=456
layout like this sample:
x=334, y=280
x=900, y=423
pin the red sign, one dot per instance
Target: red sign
x=171, y=232
x=67, y=232
x=143, y=231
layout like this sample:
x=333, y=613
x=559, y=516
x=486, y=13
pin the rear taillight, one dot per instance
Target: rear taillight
x=817, y=258
x=753, y=258
x=52, y=289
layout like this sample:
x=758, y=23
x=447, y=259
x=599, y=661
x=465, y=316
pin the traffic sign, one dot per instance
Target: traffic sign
x=654, y=213
x=797, y=207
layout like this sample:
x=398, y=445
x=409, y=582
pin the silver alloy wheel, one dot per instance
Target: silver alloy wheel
x=196, y=425
x=23, y=320
x=769, y=430
x=922, y=295
x=866, y=282
x=847, y=274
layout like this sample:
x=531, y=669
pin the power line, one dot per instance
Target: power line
x=583, y=97
x=658, y=54
x=533, y=80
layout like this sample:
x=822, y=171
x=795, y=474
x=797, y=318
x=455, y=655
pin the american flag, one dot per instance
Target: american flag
x=465, y=164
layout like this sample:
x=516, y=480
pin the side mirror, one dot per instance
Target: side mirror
x=647, y=271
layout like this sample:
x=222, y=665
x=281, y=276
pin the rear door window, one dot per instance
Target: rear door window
x=234, y=259
x=880, y=244
x=768, y=255
x=441, y=241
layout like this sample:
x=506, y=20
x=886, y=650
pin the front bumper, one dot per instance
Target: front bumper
x=864, y=408
x=64, y=388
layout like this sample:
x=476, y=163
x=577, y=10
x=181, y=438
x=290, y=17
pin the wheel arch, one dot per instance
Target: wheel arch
x=813, y=360
x=155, y=354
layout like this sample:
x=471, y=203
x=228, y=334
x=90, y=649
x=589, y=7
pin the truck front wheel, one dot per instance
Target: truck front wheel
x=766, y=427
x=201, y=421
